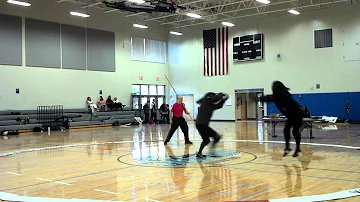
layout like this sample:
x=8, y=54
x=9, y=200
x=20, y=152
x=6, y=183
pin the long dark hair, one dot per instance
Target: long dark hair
x=278, y=86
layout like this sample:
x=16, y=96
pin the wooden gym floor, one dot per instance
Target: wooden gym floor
x=132, y=163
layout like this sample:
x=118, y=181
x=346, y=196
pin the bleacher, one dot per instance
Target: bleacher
x=26, y=120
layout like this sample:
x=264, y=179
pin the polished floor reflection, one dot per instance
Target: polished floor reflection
x=133, y=164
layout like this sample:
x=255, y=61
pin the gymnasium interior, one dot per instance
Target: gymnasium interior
x=87, y=88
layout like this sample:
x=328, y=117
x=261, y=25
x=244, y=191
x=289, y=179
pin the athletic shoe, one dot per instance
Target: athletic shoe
x=199, y=155
x=296, y=153
x=188, y=142
x=286, y=152
x=186, y=156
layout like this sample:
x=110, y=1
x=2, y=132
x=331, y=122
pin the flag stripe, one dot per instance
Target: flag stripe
x=223, y=50
x=206, y=67
x=227, y=50
x=210, y=61
x=214, y=63
x=220, y=47
x=204, y=63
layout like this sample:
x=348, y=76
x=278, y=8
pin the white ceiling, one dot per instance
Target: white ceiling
x=213, y=10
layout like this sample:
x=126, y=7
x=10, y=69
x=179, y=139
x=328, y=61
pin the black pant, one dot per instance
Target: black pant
x=146, y=118
x=294, y=123
x=153, y=114
x=206, y=132
x=178, y=121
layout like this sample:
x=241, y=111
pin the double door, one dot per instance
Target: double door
x=138, y=101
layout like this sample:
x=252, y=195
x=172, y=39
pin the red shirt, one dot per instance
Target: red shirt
x=178, y=109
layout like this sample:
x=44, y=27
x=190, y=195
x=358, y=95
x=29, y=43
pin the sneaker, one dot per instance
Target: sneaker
x=286, y=152
x=296, y=153
x=188, y=142
x=199, y=155
x=186, y=156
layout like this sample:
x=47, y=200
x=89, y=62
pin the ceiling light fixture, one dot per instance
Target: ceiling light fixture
x=295, y=12
x=137, y=1
x=264, y=1
x=229, y=24
x=176, y=33
x=140, y=26
x=20, y=3
x=83, y=15
x=193, y=15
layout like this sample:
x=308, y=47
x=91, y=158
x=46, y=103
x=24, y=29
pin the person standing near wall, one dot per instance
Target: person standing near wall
x=146, y=109
x=177, y=119
x=153, y=110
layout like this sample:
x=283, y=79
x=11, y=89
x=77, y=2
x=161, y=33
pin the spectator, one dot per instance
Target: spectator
x=153, y=110
x=102, y=104
x=109, y=103
x=164, y=112
x=117, y=104
x=91, y=105
x=146, y=109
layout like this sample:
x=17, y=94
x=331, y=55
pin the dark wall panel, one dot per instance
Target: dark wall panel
x=73, y=41
x=101, y=50
x=10, y=40
x=42, y=43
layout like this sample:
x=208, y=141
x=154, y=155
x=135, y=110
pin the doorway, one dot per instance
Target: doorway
x=248, y=106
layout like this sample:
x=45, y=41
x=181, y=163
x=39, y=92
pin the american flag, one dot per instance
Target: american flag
x=216, y=59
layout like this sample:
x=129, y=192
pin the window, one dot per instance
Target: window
x=323, y=38
x=161, y=90
x=160, y=101
x=148, y=50
x=153, y=90
x=141, y=93
x=135, y=89
x=144, y=89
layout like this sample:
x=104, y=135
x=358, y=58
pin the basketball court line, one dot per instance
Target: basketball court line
x=108, y=192
x=13, y=173
x=79, y=176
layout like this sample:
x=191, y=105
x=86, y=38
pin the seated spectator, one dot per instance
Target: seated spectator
x=109, y=103
x=91, y=105
x=117, y=104
x=102, y=104
x=164, y=112
x=306, y=114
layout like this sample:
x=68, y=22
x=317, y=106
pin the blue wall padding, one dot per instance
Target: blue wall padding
x=328, y=104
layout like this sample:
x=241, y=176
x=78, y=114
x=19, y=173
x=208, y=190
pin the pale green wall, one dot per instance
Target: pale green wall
x=42, y=86
x=301, y=67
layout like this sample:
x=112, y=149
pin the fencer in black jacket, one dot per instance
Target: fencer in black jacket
x=292, y=110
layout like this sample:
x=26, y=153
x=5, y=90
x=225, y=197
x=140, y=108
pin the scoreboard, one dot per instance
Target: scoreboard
x=249, y=47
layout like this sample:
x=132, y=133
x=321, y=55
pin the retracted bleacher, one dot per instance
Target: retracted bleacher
x=27, y=119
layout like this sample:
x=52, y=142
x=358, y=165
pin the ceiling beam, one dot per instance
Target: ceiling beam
x=201, y=9
x=183, y=4
x=267, y=12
